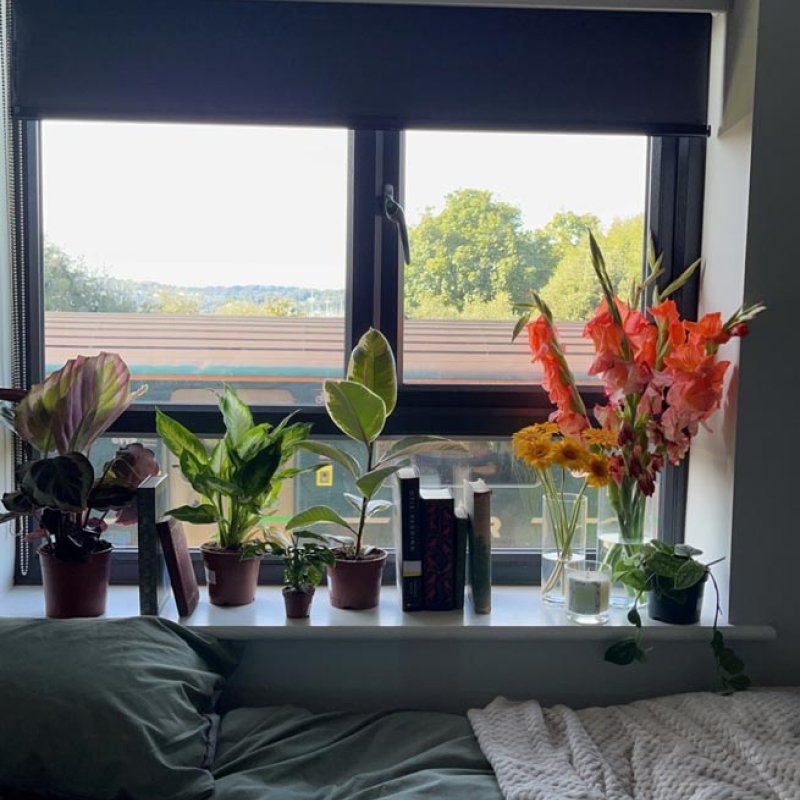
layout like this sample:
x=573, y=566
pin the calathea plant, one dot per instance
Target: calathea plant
x=62, y=418
x=359, y=407
x=674, y=578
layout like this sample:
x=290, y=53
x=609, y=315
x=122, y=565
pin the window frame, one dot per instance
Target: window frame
x=373, y=297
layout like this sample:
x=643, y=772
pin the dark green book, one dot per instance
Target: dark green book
x=462, y=534
x=151, y=504
x=477, y=501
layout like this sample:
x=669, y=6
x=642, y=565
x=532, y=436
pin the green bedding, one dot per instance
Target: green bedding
x=287, y=753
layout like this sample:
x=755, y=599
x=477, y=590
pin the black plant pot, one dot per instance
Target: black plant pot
x=676, y=607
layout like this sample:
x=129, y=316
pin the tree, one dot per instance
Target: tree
x=474, y=250
x=171, y=300
x=70, y=285
x=573, y=292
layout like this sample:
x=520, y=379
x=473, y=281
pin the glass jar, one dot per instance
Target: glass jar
x=563, y=541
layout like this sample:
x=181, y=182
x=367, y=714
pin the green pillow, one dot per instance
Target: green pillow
x=107, y=709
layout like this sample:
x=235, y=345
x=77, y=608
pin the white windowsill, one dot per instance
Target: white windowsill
x=517, y=613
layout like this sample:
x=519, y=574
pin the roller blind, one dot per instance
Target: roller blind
x=359, y=65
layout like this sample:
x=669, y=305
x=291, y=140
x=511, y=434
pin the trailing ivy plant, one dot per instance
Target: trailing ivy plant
x=359, y=407
x=672, y=570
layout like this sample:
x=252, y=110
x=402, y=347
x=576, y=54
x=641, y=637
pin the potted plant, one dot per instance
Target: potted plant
x=62, y=418
x=238, y=482
x=674, y=580
x=359, y=407
x=304, y=560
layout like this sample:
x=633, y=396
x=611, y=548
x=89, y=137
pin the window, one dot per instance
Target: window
x=231, y=226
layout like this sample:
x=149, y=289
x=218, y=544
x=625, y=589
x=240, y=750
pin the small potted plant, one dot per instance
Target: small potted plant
x=238, y=482
x=674, y=580
x=359, y=407
x=62, y=418
x=304, y=559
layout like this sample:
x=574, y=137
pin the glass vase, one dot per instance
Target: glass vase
x=613, y=544
x=563, y=542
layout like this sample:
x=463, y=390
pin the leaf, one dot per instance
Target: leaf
x=520, y=325
x=358, y=412
x=236, y=414
x=689, y=574
x=634, y=617
x=332, y=453
x=372, y=364
x=110, y=496
x=729, y=661
x=663, y=565
x=738, y=682
x=318, y=514
x=411, y=445
x=679, y=281
x=686, y=551
x=61, y=483
x=369, y=483
x=18, y=503
x=204, y=514
x=75, y=404
x=373, y=506
x=179, y=439
x=623, y=652
x=255, y=477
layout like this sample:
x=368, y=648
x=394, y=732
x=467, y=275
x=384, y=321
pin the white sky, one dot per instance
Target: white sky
x=222, y=205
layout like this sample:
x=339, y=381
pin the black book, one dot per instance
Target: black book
x=409, y=549
x=438, y=549
x=462, y=534
x=151, y=502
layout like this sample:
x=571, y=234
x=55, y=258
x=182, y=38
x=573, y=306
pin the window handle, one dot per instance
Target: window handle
x=393, y=211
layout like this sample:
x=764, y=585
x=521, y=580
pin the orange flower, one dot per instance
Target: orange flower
x=707, y=332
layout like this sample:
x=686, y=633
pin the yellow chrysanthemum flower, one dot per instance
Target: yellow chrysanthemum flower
x=570, y=454
x=533, y=448
x=597, y=474
x=599, y=437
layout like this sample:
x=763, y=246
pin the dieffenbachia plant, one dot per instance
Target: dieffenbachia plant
x=359, y=407
x=62, y=417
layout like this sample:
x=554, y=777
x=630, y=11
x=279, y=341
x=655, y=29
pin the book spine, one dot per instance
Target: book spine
x=149, y=555
x=438, y=563
x=462, y=534
x=480, y=555
x=410, y=545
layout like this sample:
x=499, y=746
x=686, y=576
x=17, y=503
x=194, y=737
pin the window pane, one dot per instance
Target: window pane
x=494, y=215
x=200, y=253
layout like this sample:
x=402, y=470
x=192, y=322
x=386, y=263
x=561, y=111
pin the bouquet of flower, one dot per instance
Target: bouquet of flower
x=662, y=378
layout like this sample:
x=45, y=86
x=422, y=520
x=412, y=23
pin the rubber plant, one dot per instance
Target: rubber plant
x=62, y=418
x=359, y=407
x=671, y=573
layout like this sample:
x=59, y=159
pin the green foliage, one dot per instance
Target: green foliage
x=70, y=285
x=470, y=252
x=172, y=300
x=672, y=570
x=358, y=407
x=573, y=292
x=304, y=559
x=240, y=479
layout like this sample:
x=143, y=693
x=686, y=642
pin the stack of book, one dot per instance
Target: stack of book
x=437, y=540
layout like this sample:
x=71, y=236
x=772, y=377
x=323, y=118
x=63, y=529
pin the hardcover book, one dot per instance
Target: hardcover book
x=462, y=534
x=409, y=546
x=439, y=549
x=179, y=565
x=151, y=505
x=477, y=501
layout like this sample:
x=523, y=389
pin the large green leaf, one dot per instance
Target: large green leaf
x=369, y=483
x=318, y=514
x=255, y=477
x=333, y=454
x=62, y=483
x=198, y=515
x=372, y=365
x=179, y=439
x=356, y=410
x=237, y=416
x=411, y=445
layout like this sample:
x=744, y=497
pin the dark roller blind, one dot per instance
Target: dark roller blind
x=385, y=66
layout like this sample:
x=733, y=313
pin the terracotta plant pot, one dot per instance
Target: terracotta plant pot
x=357, y=584
x=678, y=608
x=297, y=602
x=231, y=581
x=75, y=588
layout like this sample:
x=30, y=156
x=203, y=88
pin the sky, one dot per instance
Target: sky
x=204, y=205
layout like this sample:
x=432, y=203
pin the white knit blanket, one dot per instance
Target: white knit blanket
x=685, y=747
